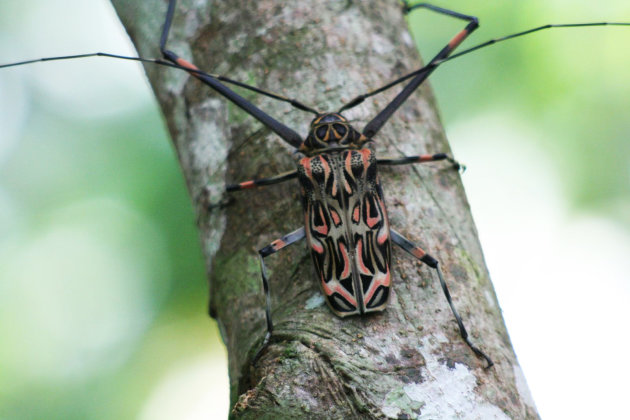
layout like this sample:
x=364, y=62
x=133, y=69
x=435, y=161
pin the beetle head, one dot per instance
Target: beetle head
x=331, y=131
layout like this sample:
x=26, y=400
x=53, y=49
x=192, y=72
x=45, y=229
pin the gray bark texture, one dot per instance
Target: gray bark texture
x=407, y=362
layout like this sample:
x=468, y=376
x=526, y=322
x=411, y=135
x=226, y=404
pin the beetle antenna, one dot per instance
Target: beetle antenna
x=359, y=99
x=293, y=102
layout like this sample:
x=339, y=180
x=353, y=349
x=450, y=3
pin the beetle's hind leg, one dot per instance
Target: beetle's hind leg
x=421, y=255
x=270, y=249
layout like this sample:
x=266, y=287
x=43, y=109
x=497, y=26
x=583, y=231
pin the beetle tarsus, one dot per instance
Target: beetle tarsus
x=460, y=167
x=262, y=347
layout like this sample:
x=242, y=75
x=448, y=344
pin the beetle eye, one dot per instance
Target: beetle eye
x=340, y=129
x=321, y=132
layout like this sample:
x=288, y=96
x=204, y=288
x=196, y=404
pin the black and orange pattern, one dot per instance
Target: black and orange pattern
x=347, y=229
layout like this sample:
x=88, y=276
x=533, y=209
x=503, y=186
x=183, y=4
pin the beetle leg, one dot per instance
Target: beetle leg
x=406, y=160
x=381, y=118
x=286, y=133
x=260, y=182
x=421, y=255
x=270, y=249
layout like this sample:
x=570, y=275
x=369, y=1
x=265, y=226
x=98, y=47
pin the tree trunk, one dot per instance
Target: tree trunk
x=407, y=362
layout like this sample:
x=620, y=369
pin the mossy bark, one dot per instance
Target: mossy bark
x=407, y=362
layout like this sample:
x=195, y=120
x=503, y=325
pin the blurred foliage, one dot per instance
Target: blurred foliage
x=103, y=296
x=103, y=290
x=570, y=84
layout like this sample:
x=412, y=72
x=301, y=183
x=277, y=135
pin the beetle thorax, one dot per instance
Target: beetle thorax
x=331, y=131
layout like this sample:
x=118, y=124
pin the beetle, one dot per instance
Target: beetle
x=328, y=121
x=346, y=223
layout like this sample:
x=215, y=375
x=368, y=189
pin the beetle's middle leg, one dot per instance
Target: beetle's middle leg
x=204, y=197
x=406, y=160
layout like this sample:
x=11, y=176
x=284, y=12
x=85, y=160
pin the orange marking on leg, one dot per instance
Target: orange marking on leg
x=426, y=158
x=418, y=252
x=186, y=64
x=246, y=185
x=458, y=39
x=278, y=244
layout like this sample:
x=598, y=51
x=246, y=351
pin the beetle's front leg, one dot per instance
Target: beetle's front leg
x=208, y=204
x=261, y=182
x=272, y=248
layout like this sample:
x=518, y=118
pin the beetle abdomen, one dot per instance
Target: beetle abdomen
x=347, y=229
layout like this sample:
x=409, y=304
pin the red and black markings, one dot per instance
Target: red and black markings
x=283, y=242
x=459, y=38
x=347, y=229
x=414, y=250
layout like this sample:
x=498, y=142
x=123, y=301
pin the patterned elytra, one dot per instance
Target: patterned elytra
x=346, y=227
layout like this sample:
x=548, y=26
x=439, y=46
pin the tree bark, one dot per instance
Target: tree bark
x=407, y=362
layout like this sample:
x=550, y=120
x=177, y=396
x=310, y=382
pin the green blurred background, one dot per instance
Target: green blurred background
x=102, y=285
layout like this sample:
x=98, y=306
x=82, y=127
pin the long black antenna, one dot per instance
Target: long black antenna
x=172, y=57
x=161, y=62
x=359, y=99
x=286, y=133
